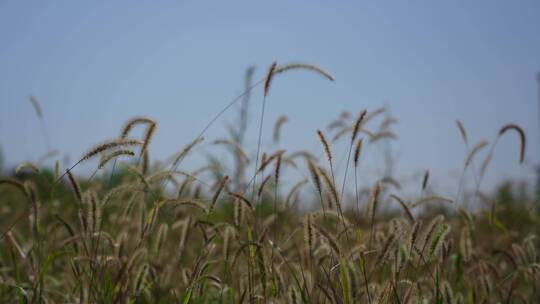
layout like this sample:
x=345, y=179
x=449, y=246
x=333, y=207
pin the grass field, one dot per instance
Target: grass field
x=142, y=231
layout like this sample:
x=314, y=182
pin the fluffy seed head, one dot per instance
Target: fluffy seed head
x=264, y=182
x=462, y=130
x=357, y=125
x=404, y=206
x=37, y=107
x=326, y=146
x=374, y=201
x=279, y=123
x=105, y=159
x=475, y=150
x=242, y=198
x=75, y=185
x=304, y=66
x=314, y=171
x=108, y=146
x=357, y=150
x=269, y=76
x=148, y=136
x=130, y=124
x=222, y=184
x=425, y=180
x=277, y=168
x=522, y=138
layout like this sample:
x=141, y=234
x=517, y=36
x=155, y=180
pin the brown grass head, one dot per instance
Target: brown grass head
x=425, y=180
x=309, y=232
x=326, y=146
x=357, y=150
x=187, y=149
x=430, y=229
x=242, y=198
x=314, y=172
x=304, y=66
x=374, y=200
x=277, y=169
x=26, y=166
x=148, y=136
x=237, y=149
x=269, y=76
x=404, y=206
x=357, y=125
x=75, y=185
x=106, y=158
x=382, y=135
x=414, y=235
x=431, y=198
x=222, y=184
x=263, y=184
x=331, y=186
x=387, y=122
x=267, y=160
x=462, y=130
x=279, y=123
x=108, y=146
x=37, y=107
x=475, y=150
x=330, y=238
x=130, y=124
x=522, y=138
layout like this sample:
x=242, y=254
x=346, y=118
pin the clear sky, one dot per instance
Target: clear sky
x=94, y=64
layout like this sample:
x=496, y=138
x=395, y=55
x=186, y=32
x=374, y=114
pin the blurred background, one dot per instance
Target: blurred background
x=93, y=65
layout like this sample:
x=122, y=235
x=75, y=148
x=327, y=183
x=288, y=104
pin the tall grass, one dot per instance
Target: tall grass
x=164, y=235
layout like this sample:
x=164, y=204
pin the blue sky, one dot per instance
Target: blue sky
x=94, y=64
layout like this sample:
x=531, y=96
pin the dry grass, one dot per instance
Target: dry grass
x=152, y=233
